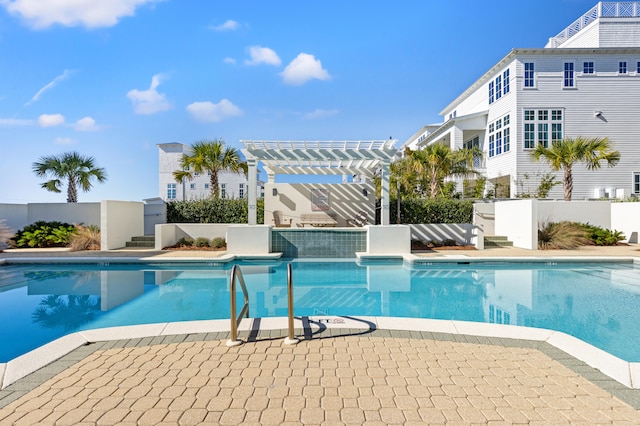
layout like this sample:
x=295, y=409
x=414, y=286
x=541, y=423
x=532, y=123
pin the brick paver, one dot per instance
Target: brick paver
x=349, y=379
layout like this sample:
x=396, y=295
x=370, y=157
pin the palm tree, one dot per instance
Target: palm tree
x=75, y=168
x=438, y=161
x=213, y=157
x=563, y=154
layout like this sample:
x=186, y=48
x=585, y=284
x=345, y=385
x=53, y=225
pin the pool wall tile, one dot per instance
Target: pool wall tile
x=300, y=243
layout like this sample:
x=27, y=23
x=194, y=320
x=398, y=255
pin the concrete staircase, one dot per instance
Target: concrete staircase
x=146, y=241
x=496, y=241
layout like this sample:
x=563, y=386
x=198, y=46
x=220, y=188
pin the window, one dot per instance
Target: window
x=540, y=126
x=223, y=190
x=636, y=183
x=622, y=67
x=491, y=91
x=206, y=186
x=471, y=144
x=241, y=191
x=192, y=186
x=171, y=191
x=528, y=74
x=505, y=82
x=196, y=174
x=638, y=70
x=587, y=68
x=498, y=87
x=499, y=136
x=568, y=75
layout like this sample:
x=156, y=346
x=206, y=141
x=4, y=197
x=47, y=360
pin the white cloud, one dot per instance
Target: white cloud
x=302, y=69
x=210, y=112
x=262, y=55
x=320, y=113
x=70, y=13
x=229, y=60
x=229, y=25
x=15, y=122
x=86, y=124
x=49, y=86
x=63, y=141
x=50, y=120
x=149, y=101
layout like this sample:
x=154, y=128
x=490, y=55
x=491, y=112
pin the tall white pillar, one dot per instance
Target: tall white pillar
x=384, y=202
x=252, y=190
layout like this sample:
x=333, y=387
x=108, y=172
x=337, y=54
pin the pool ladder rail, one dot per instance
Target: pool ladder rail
x=236, y=275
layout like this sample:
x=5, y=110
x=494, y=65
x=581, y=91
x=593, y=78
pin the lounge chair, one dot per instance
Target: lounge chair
x=279, y=221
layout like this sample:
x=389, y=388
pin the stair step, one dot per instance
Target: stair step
x=144, y=238
x=496, y=238
x=498, y=243
x=140, y=244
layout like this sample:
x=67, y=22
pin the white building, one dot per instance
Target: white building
x=232, y=185
x=584, y=82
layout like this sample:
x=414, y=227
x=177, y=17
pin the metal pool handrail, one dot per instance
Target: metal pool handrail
x=236, y=273
x=291, y=338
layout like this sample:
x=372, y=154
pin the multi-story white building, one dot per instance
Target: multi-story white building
x=232, y=185
x=584, y=82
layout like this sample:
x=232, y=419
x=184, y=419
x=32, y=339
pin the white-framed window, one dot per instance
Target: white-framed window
x=529, y=69
x=638, y=69
x=192, y=186
x=474, y=142
x=223, y=190
x=196, y=174
x=636, y=182
x=568, y=77
x=241, y=191
x=171, y=191
x=491, y=91
x=499, y=136
x=542, y=126
x=498, y=87
x=206, y=186
x=505, y=82
x=587, y=67
x=622, y=67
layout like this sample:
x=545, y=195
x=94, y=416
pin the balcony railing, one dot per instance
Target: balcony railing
x=620, y=9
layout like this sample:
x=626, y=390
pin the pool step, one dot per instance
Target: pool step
x=147, y=241
x=497, y=241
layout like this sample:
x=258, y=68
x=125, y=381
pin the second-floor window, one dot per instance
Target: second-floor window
x=171, y=191
x=491, y=92
x=241, y=191
x=636, y=183
x=499, y=136
x=223, y=190
x=505, y=82
x=622, y=67
x=587, y=68
x=568, y=80
x=528, y=74
x=542, y=126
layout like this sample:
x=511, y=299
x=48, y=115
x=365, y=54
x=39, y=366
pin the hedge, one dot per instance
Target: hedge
x=211, y=210
x=439, y=210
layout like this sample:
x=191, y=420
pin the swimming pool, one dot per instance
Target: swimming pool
x=595, y=302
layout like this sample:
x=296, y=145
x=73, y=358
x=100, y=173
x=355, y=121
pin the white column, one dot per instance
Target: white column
x=384, y=202
x=252, y=190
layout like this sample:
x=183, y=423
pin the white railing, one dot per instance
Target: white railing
x=627, y=9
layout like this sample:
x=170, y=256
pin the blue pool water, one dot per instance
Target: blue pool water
x=595, y=302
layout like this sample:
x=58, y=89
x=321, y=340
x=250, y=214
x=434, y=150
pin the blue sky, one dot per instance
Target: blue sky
x=112, y=79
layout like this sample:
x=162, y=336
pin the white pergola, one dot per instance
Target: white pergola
x=363, y=158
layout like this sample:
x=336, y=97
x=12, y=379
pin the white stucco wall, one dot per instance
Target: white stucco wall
x=461, y=233
x=596, y=213
x=248, y=240
x=516, y=220
x=75, y=213
x=14, y=215
x=625, y=217
x=169, y=234
x=345, y=200
x=391, y=239
x=120, y=221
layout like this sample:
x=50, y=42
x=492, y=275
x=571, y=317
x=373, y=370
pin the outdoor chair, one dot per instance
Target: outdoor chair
x=359, y=220
x=279, y=221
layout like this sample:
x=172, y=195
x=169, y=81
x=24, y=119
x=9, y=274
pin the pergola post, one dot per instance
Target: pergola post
x=384, y=202
x=252, y=176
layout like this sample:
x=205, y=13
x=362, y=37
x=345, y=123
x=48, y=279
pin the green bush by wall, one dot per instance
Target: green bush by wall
x=439, y=210
x=212, y=211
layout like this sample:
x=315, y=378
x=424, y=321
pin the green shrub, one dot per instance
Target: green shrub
x=449, y=242
x=601, y=236
x=218, y=242
x=562, y=235
x=439, y=210
x=209, y=210
x=44, y=234
x=201, y=242
x=185, y=242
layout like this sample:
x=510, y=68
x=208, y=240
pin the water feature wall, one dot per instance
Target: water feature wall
x=325, y=243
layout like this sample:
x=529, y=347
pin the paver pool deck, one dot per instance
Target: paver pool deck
x=333, y=376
